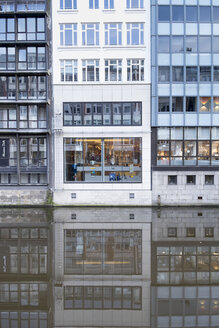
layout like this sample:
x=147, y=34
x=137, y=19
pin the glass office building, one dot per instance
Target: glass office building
x=185, y=117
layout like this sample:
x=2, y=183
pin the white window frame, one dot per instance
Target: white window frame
x=68, y=27
x=93, y=4
x=69, y=66
x=130, y=4
x=110, y=27
x=73, y=5
x=131, y=28
x=96, y=30
x=109, y=63
x=90, y=62
x=131, y=74
x=108, y=4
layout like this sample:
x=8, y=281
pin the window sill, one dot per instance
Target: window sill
x=67, y=11
x=109, y=11
x=131, y=10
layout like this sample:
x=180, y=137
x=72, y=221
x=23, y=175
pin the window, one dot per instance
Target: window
x=205, y=73
x=8, y=118
x=7, y=29
x=191, y=74
x=90, y=34
x=7, y=87
x=33, y=152
x=32, y=58
x=90, y=70
x=102, y=297
x=68, y=34
x=172, y=232
x=113, y=34
x=68, y=4
x=191, y=105
x=31, y=5
x=177, y=44
x=32, y=116
x=190, y=232
x=209, y=179
x=177, y=104
x=191, y=43
x=164, y=13
x=84, y=160
x=191, y=179
x=172, y=179
x=134, y=4
x=32, y=87
x=205, y=44
x=177, y=73
x=205, y=104
x=215, y=44
x=135, y=69
x=209, y=232
x=205, y=14
x=177, y=13
x=216, y=104
x=164, y=74
x=216, y=73
x=163, y=104
x=93, y=4
x=102, y=114
x=108, y=4
x=69, y=70
x=163, y=44
x=191, y=13
x=7, y=58
x=31, y=28
x=6, y=6
x=135, y=33
x=216, y=14
x=113, y=70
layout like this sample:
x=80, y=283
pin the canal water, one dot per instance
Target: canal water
x=109, y=267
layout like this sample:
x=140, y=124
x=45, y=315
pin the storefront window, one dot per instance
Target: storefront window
x=163, y=152
x=216, y=104
x=102, y=160
x=204, y=152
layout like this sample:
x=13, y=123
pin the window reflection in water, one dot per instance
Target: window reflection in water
x=103, y=252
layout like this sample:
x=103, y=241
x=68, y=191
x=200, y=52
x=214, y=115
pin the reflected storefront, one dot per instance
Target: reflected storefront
x=103, y=160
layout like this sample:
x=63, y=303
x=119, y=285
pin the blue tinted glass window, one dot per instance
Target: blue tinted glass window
x=205, y=14
x=178, y=13
x=205, y=44
x=216, y=44
x=164, y=13
x=216, y=14
x=163, y=44
x=191, y=44
x=177, y=44
x=191, y=14
x=68, y=4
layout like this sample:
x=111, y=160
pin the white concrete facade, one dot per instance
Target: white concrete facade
x=101, y=91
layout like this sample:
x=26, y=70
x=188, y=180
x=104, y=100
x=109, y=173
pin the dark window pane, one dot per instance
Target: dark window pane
x=216, y=73
x=191, y=74
x=216, y=14
x=164, y=74
x=205, y=73
x=164, y=13
x=163, y=104
x=205, y=14
x=191, y=13
x=178, y=13
x=177, y=104
x=191, y=104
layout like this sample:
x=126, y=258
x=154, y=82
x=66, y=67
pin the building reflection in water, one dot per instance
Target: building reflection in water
x=185, y=268
x=25, y=268
x=103, y=279
x=111, y=267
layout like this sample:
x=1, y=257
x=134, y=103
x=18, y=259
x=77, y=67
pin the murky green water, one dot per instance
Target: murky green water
x=109, y=267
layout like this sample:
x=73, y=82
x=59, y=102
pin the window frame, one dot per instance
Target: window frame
x=110, y=66
x=110, y=29
x=131, y=64
x=95, y=63
x=131, y=29
x=95, y=29
x=63, y=5
x=73, y=63
x=74, y=34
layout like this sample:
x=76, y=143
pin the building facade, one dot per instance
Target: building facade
x=185, y=117
x=101, y=87
x=24, y=101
